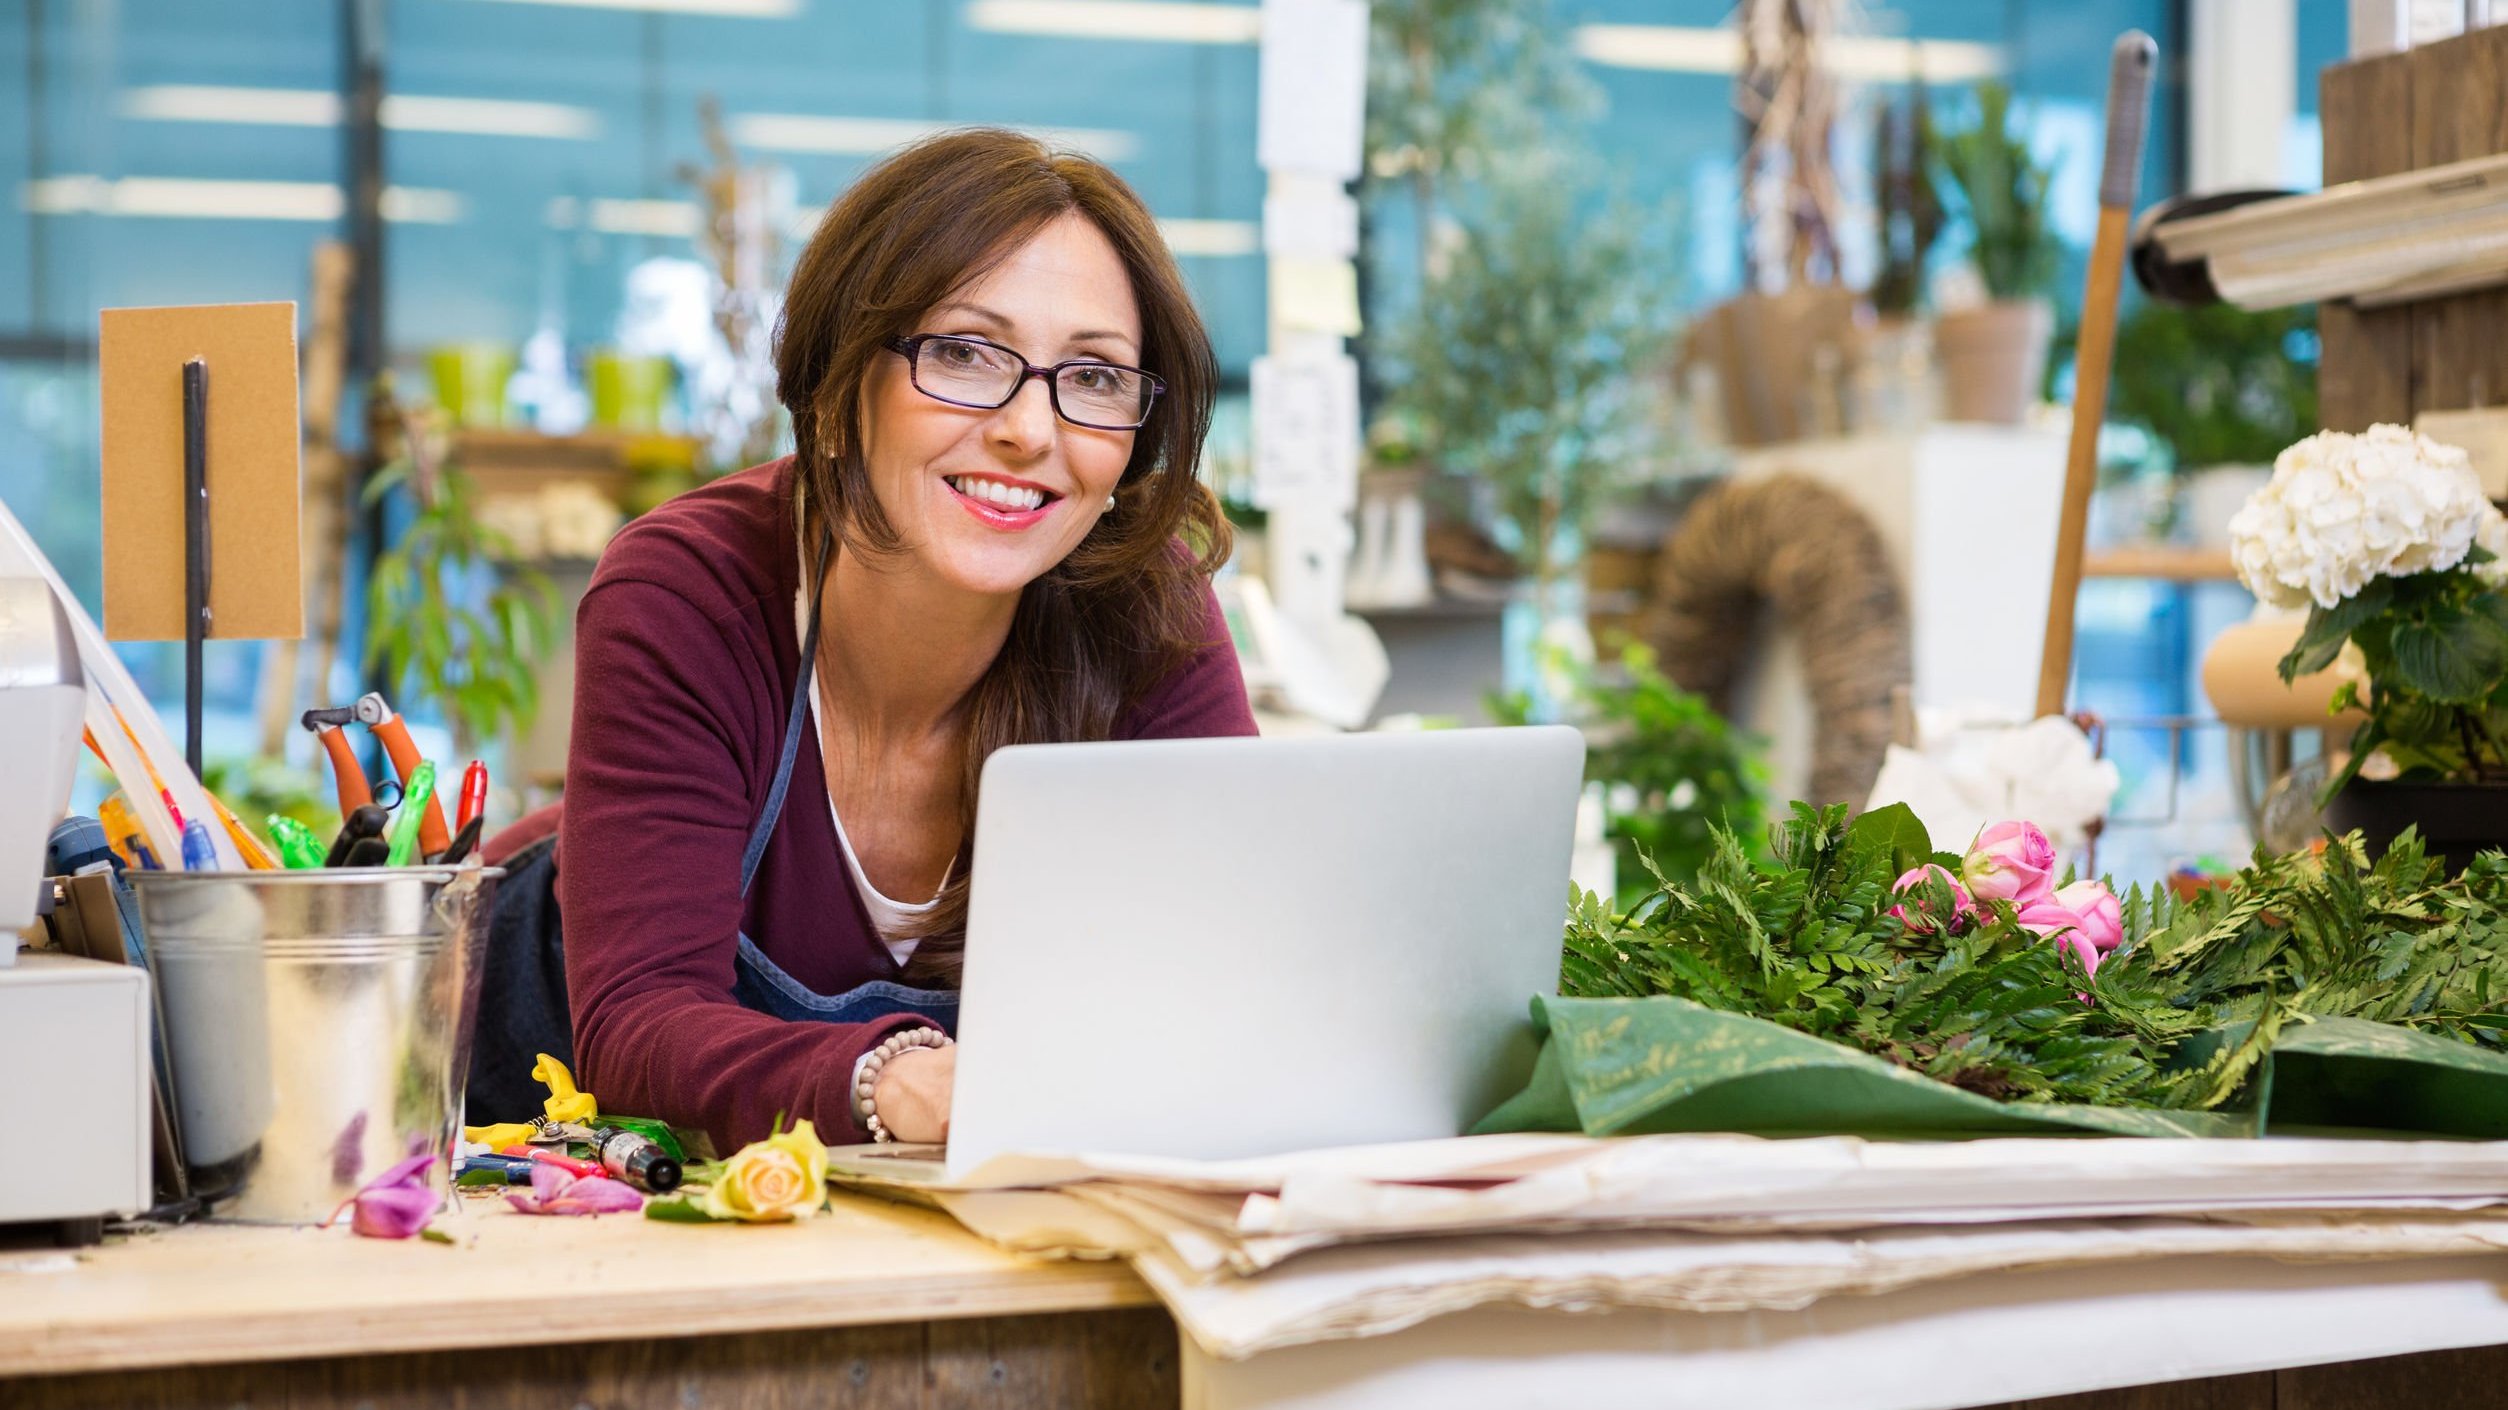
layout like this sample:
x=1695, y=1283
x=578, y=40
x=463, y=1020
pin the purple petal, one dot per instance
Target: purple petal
x=409, y=1174
x=548, y=1183
x=394, y=1212
x=601, y=1195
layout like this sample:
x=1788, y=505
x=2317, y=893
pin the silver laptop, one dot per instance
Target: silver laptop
x=1212, y=949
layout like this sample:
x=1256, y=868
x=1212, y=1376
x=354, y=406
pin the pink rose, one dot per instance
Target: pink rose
x=1918, y=915
x=2049, y=918
x=2010, y=861
x=2102, y=917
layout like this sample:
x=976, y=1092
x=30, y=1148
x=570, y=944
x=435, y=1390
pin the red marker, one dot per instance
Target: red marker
x=474, y=794
x=582, y=1169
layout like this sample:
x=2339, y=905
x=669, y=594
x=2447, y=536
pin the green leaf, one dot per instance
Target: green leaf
x=1893, y=834
x=680, y=1209
x=2329, y=627
x=2452, y=655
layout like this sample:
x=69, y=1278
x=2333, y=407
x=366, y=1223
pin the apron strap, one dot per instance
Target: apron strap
x=764, y=827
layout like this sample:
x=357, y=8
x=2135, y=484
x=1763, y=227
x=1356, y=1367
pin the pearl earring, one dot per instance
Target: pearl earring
x=1110, y=504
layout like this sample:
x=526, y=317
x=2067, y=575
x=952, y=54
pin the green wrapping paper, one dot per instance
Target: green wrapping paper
x=1615, y=1066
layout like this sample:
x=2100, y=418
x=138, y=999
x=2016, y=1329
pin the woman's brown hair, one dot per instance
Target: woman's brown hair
x=1126, y=607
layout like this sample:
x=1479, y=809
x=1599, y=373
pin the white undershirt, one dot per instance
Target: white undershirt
x=888, y=917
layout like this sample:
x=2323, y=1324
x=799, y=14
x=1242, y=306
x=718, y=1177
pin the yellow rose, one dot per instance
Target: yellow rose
x=782, y=1177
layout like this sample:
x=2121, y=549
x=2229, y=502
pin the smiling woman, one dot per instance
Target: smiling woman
x=952, y=561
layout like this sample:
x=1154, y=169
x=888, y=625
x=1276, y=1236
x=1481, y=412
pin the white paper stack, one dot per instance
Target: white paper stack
x=1260, y=1255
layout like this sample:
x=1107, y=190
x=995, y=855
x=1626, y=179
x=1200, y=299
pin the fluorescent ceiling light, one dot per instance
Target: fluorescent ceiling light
x=737, y=9
x=2416, y=235
x=1168, y=21
x=1697, y=49
x=803, y=132
x=315, y=107
x=1212, y=237
x=187, y=198
x=614, y=215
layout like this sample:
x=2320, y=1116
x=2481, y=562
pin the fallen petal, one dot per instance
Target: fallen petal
x=393, y=1212
x=601, y=1195
x=409, y=1173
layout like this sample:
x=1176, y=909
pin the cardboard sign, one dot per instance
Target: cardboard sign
x=256, y=582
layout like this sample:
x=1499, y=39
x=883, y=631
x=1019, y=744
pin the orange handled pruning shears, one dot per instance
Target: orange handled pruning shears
x=347, y=775
x=372, y=711
x=376, y=715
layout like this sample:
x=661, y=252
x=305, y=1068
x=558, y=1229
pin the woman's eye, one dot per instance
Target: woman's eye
x=959, y=354
x=1089, y=379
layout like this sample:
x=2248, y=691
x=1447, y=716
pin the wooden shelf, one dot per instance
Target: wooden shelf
x=501, y=461
x=2163, y=562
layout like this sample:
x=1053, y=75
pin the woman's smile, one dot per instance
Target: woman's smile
x=1001, y=503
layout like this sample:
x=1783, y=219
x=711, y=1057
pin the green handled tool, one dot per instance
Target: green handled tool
x=415, y=795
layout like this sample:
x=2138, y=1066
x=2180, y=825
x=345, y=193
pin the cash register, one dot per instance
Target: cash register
x=75, y=1075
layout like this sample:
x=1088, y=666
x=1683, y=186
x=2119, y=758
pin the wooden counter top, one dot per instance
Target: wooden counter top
x=227, y=1293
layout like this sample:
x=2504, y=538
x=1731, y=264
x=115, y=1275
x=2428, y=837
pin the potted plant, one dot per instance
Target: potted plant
x=1994, y=357
x=1518, y=361
x=2387, y=541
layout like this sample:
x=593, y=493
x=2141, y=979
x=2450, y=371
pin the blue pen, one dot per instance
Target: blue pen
x=199, y=853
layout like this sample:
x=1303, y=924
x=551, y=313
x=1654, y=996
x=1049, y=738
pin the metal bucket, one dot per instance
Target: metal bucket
x=318, y=1022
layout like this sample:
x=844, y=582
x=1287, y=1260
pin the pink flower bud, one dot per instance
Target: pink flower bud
x=1918, y=915
x=2102, y=917
x=2010, y=861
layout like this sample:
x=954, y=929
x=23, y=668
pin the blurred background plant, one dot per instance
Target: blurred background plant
x=1517, y=361
x=1672, y=769
x=2003, y=189
x=2217, y=385
x=257, y=788
x=452, y=619
x=1908, y=201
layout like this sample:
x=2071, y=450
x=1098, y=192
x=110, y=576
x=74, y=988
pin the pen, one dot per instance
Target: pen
x=582, y=1168
x=474, y=793
x=199, y=853
x=298, y=846
x=417, y=802
x=492, y=1170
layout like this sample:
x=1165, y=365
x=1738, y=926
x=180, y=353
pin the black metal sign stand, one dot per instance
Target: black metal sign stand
x=195, y=548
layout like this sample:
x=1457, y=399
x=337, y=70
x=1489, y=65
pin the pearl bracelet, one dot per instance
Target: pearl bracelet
x=867, y=1075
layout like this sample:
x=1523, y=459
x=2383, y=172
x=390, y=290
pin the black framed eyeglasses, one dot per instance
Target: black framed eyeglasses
x=1104, y=396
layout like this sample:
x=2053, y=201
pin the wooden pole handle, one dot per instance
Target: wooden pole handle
x=2131, y=64
x=2081, y=463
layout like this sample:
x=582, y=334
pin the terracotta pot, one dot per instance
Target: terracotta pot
x=1993, y=360
x=2456, y=820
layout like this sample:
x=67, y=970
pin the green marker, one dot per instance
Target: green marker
x=298, y=847
x=415, y=795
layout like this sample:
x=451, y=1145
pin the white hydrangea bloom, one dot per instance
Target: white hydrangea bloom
x=2342, y=509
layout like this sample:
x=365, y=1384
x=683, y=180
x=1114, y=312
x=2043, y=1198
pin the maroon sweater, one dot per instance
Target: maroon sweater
x=685, y=661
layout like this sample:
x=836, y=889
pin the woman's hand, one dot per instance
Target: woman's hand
x=911, y=1094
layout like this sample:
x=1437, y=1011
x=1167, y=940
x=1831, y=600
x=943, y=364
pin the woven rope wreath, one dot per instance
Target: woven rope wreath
x=1807, y=555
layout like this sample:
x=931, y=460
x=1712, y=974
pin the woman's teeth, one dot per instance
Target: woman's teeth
x=997, y=494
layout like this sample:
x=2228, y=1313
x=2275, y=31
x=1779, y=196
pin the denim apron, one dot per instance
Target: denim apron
x=760, y=983
x=522, y=1002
